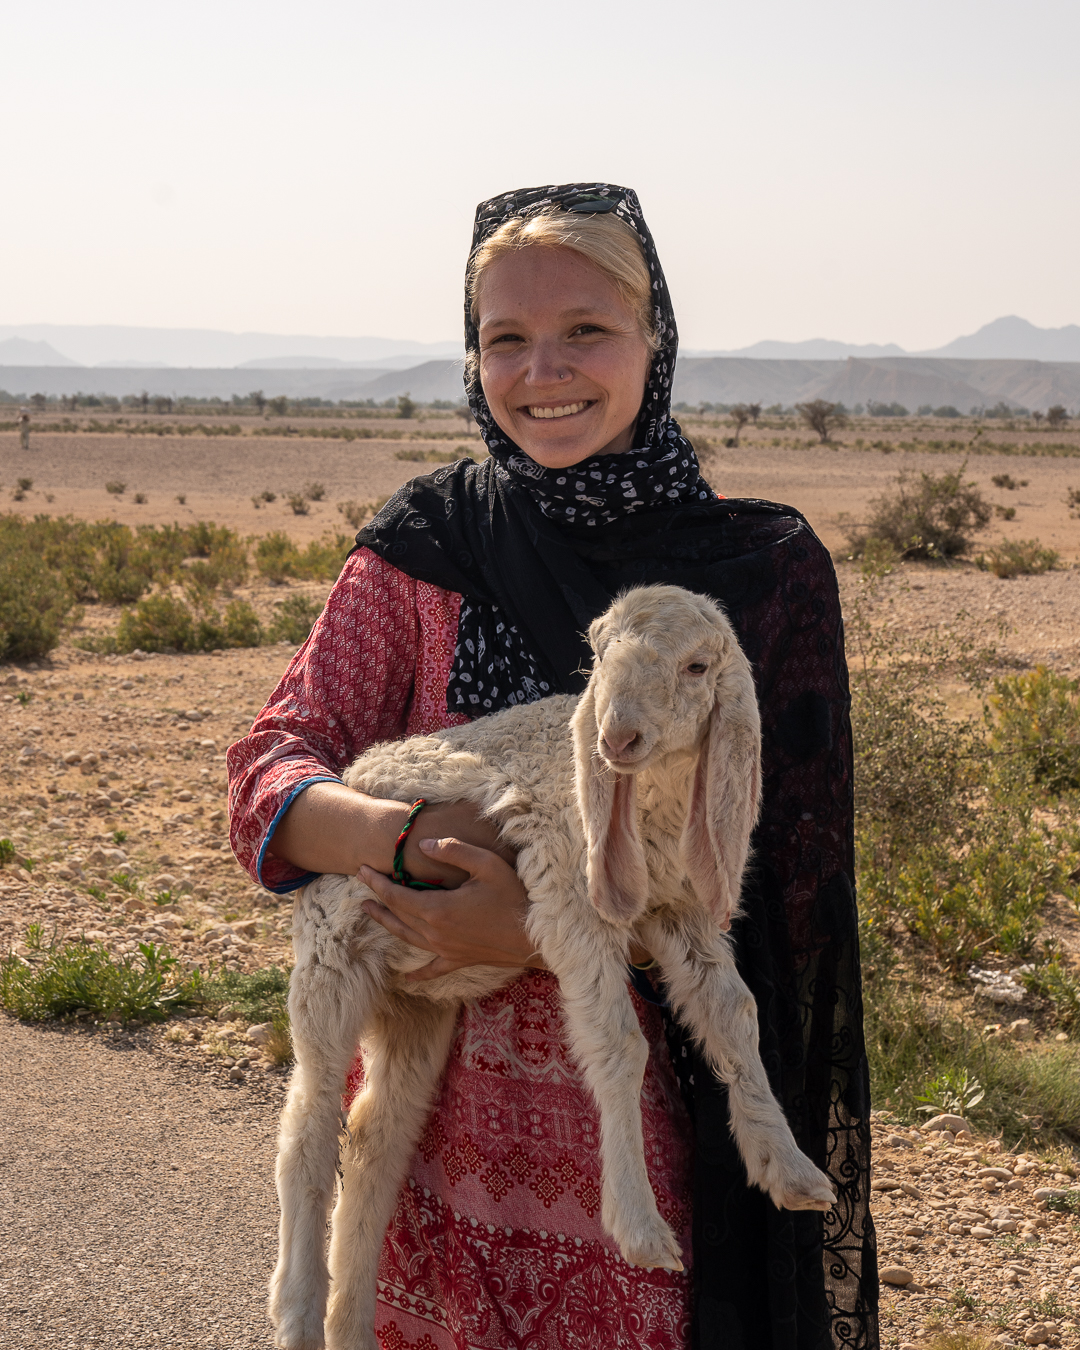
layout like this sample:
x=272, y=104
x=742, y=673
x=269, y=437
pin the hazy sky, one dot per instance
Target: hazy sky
x=868, y=171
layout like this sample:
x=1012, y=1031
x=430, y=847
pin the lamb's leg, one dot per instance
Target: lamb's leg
x=328, y=1010
x=405, y=1054
x=604, y=1035
x=713, y=1002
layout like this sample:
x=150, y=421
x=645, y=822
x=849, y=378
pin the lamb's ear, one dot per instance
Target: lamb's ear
x=618, y=879
x=725, y=797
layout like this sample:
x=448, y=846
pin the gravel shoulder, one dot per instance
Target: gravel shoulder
x=138, y=1196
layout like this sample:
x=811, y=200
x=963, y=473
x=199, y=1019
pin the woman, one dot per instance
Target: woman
x=468, y=593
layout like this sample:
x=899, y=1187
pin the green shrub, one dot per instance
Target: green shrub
x=7, y=852
x=926, y=516
x=1035, y=729
x=159, y=623
x=35, y=604
x=276, y=557
x=299, y=503
x=1019, y=557
x=294, y=619
x=70, y=978
x=242, y=625
x=1056, y=983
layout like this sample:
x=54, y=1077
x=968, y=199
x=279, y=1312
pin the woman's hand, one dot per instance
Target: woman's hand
x=480, y=922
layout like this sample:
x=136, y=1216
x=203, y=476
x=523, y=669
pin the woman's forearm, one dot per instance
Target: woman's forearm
x=332, y=828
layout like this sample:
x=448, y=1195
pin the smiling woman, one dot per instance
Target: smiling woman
x=469, y=593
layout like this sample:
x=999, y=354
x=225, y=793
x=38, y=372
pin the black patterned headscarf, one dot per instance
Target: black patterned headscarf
x=661, y=468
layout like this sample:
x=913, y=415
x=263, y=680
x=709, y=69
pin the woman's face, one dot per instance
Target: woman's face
x=562, y=361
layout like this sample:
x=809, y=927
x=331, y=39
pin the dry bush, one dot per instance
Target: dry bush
x=314, y=492
x=925, y=516
x=117, y=489
x=299, y=503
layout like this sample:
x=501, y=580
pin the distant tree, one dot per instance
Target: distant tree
x=465, y=413
x=947, y=410
x=279, y=406
x=37, y=402
x=754, y=409
x=740, y=415
x=823, y=417
x=405, y=406
x=1036, y=417
x=144, y=400
x=1056, y=416
x=258, y=399
x=886, y=409
x=162, y=404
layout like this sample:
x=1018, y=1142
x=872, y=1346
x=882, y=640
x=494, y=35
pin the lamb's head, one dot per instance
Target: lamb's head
x=669, y=678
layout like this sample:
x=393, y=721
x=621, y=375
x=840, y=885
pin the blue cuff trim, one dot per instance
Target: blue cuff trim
x=296, y=883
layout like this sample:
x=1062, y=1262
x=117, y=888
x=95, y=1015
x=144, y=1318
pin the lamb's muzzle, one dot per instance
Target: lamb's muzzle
x=669, y=720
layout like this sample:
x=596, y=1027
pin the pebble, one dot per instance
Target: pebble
x=954, y=1124
x=1038, y=1334
x=896, y=1275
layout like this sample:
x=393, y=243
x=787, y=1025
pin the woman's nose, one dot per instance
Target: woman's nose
x=546, y=367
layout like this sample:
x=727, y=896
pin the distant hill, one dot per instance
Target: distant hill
x=813, y=349
x=17, y=351
x=1013, y=338
x=95, y=344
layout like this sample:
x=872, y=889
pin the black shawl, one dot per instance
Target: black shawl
x=764, y=1279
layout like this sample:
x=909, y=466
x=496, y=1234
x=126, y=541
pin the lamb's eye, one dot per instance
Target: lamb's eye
x=696, y=668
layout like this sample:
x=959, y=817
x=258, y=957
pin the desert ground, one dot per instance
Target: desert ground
x=114, y=768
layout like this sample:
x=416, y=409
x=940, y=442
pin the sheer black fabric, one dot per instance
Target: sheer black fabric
x=764, y=1279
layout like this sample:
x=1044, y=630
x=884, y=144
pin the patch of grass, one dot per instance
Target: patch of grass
x=314, y=492
x=1017, y=558
x=7, y=852
x=117, y=489
x=1033, y=1092
x=140, y=499
x=1005, y=512
x=24, y=484
x=259, y=997
x=71, y=979
x=1008, y=482
x=299, y=503
x=926, y=516
x=24, y=697
x=119, y=836
x=1056, y=983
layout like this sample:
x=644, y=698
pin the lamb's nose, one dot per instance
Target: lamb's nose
x=616, y=743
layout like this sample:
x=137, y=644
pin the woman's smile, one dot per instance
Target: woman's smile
x=562, y=410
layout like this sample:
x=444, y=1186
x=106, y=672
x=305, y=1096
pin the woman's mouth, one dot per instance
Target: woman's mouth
x=567, y=410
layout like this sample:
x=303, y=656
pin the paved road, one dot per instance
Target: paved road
x=137, y=1198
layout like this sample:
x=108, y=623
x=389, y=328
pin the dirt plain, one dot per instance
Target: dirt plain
x=114, y=767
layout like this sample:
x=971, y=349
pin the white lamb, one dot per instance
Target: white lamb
x=630, y=809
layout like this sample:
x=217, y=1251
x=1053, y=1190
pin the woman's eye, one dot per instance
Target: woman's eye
x=586, y=328
x=696, y=668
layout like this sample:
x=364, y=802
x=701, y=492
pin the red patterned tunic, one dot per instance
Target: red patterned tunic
x=497, y=1240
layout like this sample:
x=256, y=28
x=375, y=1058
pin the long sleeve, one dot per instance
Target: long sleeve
x=371, y=666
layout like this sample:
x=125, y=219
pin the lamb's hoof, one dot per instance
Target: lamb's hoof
x=812, y=1192
x=651, y=1245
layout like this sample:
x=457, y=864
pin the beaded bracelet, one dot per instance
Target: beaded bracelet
x=399, y=874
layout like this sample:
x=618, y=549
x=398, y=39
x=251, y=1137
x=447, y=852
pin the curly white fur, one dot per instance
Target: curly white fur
x=631, y=810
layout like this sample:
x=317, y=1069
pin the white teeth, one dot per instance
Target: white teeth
x=557, y=412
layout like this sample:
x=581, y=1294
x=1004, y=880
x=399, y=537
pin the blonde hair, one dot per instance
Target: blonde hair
x=605, y=240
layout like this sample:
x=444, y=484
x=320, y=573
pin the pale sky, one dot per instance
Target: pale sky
x=872, y=172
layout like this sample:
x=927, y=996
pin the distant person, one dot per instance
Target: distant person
x=24, y=428
x=468, y=593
